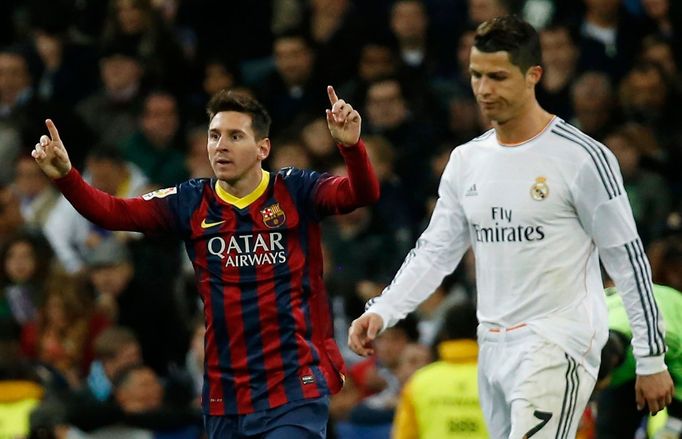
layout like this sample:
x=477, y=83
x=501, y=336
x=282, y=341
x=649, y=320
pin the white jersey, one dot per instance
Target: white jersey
x=538, y=216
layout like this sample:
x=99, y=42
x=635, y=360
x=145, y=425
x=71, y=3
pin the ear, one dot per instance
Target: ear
x=534, y=75
x=264, y=149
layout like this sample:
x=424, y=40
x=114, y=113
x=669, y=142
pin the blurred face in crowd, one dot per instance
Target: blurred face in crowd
x=120, y=73
x=386, y=107
x=627, y=154
x=131, y=17
x=335, y=8
x=20, y=263
x=14, y=77
x=196, y=160
x=409, y=21
x=592, y=99
x=127, y=355
x=216, y=78
x=558, y=50
x=290, y=154
x=656, y=9
x=294, y=60
x=141, y=391
x=106, y=175
x=317, y=139
x=662, y=55
x=603, y=8
x=233, y=150
x=111, y=280
x=376, y=61
x=483, y=10
x=502, y=90
x=464, y=45
x=160, y=119
x=29, y=180
x=647, y=89
x=389, y=347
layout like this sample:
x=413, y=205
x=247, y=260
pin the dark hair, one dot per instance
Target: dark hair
x=460, y=322
x=510, y=34
x=227, y=100
x=409, y=327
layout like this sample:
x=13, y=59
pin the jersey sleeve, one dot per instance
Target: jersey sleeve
x=336, y=195
x=151, y=213
x=605, y=214
x=436, y=254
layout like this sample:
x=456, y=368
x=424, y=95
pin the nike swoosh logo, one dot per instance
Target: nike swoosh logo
x=205, y=225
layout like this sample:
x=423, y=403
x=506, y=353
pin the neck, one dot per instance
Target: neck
x=242, y=187
x=526, y=125
x=602, y=20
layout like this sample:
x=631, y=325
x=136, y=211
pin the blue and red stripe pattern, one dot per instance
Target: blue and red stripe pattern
x=269, y=333
x=258, y=269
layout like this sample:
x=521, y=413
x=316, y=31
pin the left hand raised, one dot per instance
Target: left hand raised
x=654, y=391
x=343, y=121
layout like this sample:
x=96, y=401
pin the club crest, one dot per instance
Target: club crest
x=273, y=216
x=539, y=190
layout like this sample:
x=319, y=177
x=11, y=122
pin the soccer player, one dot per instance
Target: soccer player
x=617, y=416
x=254, y=240
x=539, y=202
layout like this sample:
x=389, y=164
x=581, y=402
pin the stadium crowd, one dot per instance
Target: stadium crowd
x=101, y=333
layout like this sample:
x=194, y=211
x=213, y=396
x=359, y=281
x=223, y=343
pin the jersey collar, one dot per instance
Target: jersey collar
x=244, y=201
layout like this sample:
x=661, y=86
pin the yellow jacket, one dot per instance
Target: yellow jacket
x=440, y=401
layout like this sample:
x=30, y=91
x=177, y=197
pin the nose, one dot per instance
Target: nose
x=483, y=86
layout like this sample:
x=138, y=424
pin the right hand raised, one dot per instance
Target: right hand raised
x=50, y=153
x=362, y=333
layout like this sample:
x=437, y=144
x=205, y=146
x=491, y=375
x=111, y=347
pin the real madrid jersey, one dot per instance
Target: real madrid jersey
x=538, y=216
x=258, y=264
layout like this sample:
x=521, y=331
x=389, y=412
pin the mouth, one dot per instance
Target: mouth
x=223, y=162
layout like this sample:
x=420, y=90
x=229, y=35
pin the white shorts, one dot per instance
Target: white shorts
x=528, y=386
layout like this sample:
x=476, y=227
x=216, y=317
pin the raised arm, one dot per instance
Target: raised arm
x=361, y=187
x=134, y=214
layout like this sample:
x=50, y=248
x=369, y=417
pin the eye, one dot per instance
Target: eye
x=213, y=136
x=236, y=136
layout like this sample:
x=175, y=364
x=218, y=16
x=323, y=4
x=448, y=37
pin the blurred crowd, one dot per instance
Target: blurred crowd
x=101, y=333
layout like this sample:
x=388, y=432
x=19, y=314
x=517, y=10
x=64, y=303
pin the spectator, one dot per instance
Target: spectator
x=428, y=406
x=593, y=104
x=156, y=145
x=35, y=193
x=71, y=235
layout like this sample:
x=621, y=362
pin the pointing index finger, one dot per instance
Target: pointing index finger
x=52, y=128
x=332, y=94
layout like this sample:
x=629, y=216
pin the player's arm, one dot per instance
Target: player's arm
x=436, y=254
x=135, y=214
x=605, y=213
x=342, y=194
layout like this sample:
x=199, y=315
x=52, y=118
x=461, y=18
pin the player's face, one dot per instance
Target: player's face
x=501, y=88
x=233, y=150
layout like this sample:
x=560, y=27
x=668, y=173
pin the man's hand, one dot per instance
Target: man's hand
x=50, y=153
x=362, y=333
x=343, y=121
x=654, y=391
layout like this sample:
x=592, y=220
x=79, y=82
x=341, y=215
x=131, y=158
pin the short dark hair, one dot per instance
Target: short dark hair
x=511, y=34
x=227, y=100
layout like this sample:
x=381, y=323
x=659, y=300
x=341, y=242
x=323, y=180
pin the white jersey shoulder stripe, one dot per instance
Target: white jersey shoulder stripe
x=600, y=162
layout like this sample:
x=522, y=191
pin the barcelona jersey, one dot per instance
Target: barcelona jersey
x=258, y=265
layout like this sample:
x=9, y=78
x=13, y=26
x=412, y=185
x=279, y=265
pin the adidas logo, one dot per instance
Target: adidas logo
x=471, y=192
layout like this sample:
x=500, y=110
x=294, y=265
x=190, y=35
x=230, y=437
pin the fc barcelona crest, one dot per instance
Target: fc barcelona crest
x=273, y=216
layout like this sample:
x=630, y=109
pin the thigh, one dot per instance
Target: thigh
x=491, y=396
x=222, y=427
x=306, y=419
x=549, y=394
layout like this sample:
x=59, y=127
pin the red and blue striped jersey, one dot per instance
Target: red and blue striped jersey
x=258, y=266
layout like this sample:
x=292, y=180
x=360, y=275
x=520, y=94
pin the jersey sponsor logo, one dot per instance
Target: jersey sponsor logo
x=273, y=216
x=539, y=190
x=249, y=250
x=206, y=225
x=504, y=230
x=471, y=192
x=160, y=193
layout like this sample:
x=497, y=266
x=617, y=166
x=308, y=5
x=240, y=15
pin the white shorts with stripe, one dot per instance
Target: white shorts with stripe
x=528, y=386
